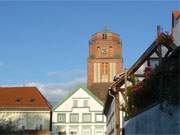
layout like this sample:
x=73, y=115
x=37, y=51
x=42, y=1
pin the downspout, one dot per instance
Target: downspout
x=111, y=94
x=50, y=124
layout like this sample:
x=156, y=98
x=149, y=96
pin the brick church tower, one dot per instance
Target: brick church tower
x=104, y=61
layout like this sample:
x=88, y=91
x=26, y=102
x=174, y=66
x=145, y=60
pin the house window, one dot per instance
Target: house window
x=74, y=117
x=99, y=118
x=73, y=133
x=61, y=129
x=86, y=131
x=154, y=62
x=62, y=133
x=75, y=103
x=99, y=132
x=86, y=117
x=85, y=103
x=61, y=117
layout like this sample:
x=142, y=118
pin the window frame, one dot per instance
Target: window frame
x=86, y=129
x=74, y=103
x=58, y=117
x=87, y=104
x=104, y=36
x=83, y=114
x=96, y=117
x=71, y=116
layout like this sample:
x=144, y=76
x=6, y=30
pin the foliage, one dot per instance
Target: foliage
x=8, y=128
x=162, y=84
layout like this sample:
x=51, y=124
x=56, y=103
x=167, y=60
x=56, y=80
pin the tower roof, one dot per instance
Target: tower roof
x=105, y=29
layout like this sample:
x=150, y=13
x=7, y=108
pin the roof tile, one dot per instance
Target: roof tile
x=22, y=98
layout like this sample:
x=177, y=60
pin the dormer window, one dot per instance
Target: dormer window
x=18, y=99
x=32, y=100
x=104, y=36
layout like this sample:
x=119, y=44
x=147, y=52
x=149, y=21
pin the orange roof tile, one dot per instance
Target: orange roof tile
x=22, y=98
x=176, y=14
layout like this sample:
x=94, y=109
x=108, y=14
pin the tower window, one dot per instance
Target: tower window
x=104, y=72
x=111, y=51
x=104, y=68
x=104, y=36
x=98, y=51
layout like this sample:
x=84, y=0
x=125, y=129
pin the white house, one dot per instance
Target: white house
x=25, y=108
x=80, y=113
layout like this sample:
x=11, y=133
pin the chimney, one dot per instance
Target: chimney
x=159, y=30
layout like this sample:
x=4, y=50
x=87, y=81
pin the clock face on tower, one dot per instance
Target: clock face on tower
x=104, y=50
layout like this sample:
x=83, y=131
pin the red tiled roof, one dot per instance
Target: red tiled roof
x=100, y=90
x=176, y=14
x=25, y=98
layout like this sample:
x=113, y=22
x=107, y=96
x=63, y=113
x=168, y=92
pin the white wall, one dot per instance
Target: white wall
x=111, y=117
x=67, y=108
x=29, y=119
x=80, y=95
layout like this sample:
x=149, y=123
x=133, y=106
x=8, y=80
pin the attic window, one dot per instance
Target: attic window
x=32, y=100
x=18, y=99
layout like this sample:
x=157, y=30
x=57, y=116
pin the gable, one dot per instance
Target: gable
x=80, y=95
